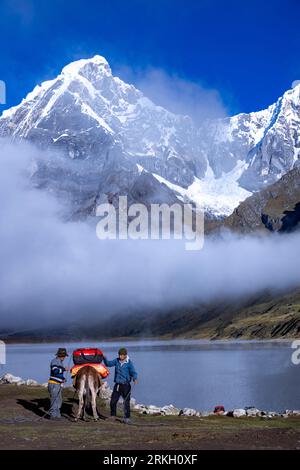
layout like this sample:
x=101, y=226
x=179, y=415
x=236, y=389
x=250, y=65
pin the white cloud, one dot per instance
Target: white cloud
x=176, y=93
x=52, y=271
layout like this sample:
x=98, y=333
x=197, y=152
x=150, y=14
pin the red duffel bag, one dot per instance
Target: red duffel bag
x=87, y=356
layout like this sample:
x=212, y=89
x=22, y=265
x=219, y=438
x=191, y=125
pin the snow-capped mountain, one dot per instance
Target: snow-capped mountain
x=113, y=140
x=267, y=141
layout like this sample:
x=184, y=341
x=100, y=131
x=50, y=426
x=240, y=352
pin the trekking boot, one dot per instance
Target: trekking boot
x=112, y=419
x=126, y=421
x=55, y=418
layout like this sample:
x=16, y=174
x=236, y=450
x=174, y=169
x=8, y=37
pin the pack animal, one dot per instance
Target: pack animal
x=87, y=384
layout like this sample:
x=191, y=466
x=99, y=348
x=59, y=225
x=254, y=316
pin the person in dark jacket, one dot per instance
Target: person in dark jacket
x=124, y=373
x=55, y=382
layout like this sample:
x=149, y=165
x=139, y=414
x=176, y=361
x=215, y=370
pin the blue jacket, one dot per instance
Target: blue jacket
x=124, y=371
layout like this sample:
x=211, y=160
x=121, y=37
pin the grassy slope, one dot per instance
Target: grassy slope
x=265, y=318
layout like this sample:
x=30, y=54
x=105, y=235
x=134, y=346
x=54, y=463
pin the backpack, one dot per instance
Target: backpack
x=87, y=356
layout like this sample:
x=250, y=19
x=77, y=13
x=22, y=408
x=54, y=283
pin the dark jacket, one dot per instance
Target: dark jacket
x=57, y=371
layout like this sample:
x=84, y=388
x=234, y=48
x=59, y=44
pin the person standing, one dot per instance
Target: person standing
x=124, y=374
x=55, y=382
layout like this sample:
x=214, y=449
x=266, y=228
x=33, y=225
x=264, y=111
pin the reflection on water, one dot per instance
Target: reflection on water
x=198, y=374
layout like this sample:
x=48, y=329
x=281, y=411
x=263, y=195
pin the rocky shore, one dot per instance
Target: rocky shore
x=166, y=410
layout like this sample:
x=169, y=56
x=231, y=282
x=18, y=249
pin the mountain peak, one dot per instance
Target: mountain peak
x=293, y=94
x=87, y=113
x=95, y=65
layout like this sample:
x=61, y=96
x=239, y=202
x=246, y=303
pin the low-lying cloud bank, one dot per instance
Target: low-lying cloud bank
x=52, y=271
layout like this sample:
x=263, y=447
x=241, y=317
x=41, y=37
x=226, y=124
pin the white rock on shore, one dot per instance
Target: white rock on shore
x=272, y=414
x=105, y=391
x=288, y=413
x=147, y=409
x=253, y=412
x=188, y=412
x=11, y=379
x=170, y=410
x=239, y=412
x=31, y=382
x=167, y=410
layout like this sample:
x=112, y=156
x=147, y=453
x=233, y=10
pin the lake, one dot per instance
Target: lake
x=198, y=374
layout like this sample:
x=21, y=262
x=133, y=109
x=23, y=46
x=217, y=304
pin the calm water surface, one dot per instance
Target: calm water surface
x=197, y=374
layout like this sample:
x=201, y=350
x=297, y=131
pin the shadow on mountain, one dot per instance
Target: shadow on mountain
x=291, y=219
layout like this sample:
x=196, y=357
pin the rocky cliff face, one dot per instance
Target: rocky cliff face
x=104, y=134
x=275, y=209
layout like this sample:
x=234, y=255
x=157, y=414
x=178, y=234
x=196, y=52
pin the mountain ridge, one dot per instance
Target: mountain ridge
x=88, y=114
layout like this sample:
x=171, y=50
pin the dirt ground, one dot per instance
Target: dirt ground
x=23, y=426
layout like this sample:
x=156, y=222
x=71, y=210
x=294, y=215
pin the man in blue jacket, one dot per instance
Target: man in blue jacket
x=124, y=373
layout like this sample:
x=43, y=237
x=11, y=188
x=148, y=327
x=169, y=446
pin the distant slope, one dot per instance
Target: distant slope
x=266, y=316
x=269, y=318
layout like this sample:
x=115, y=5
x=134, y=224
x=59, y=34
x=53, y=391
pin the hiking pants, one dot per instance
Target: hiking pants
x=56, y=400
x=120, y=390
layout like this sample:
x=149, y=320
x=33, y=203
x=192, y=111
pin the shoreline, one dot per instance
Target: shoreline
x=165, y=410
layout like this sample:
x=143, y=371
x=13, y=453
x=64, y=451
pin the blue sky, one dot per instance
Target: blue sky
x=246, y=50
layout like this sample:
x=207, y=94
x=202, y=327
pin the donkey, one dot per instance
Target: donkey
x=87, y=384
